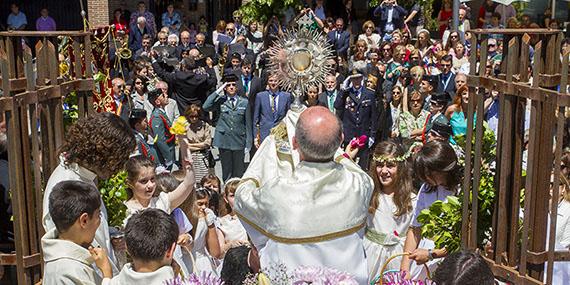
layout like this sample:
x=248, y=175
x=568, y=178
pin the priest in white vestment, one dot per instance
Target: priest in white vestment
x=301, y=201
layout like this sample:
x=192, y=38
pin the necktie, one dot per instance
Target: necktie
x=246, y=85
x=337, y=35
x=233, y=102
x=331, y=101
x=273, y=102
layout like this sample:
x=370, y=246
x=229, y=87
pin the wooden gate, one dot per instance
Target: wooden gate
x=519, y=255
x=32, y=105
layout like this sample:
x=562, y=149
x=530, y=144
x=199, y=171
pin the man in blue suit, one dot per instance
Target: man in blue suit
x=391, y=17
x=339, y=38
x=356, y=108
x=446, y=78
x=233, y=129
x=270, y=108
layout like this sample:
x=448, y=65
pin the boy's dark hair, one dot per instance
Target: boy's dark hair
x=447, y=57
x=102, y=141
x=149, y=234
x=69, y=200
x=496, y=15
x=235, y=268
x=465, y=268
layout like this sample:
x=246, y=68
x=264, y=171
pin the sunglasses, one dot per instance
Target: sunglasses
x=138, y=83
x=453, y=37
x=416, y=101
x=230, y=84
x=230, y=30
x=445, y=65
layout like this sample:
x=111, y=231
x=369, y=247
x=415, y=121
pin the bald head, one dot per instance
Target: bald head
x=318, y=134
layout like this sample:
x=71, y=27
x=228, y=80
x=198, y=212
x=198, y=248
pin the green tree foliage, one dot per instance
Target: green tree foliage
x=114, y=194
x=263, y=10
x=442, y=220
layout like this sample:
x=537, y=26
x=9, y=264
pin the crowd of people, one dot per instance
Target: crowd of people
x=394, y=100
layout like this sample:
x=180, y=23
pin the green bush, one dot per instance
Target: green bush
x=114, y=194
x=441, y=222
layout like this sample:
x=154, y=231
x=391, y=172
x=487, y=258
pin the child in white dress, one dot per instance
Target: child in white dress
x=206, y=247
x=436, y=165
x=233, y=232
x=391, y=207
x=142, y=194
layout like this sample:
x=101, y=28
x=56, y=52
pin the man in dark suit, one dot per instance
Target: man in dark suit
x=120, y=105
x=270, y=108
x=233, y=135
x=160, y=129
x=248, y=85
x=328, y=97
x=136, y=34
x=356, y=107
x=339, y=38
x=190, y=84
x=206, y=50
x=391, y=16
x=446, y=79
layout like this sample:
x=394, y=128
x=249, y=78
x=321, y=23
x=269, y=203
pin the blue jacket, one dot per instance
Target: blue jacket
x=398, y=17
x=264, y=116
x=341, y=44
x=233, y=129
x=358, y=116
x=135, y=37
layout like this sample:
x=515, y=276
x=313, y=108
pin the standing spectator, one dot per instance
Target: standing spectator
x=119, y=21
x=241, y=29
x=233, y=129
x=356, y=107
x=464, y=24
x=506, y=11
x=16, y=20
x=271, y=106
x=45, y=22
x=206, y=50
x=172, y=20
x=428, y=86
x=460, y=60
x=396, y=107
x=339, y=38
x=190, y=84
x=444, y=15
x=149, y=19
x=120, y=105
x=220, y=29
x=415, y=20
x=199, y=138
x=446, y=78
x=392, y=17
x=485, y=12
x=423, y=44
x=369, y=36
x=160, y=127
x=137, y=33
x=320, y=10
x=139, y=95
x=412, y=122
x=254, y=38
x=139, y=124
x=328, y=97
x=171, y=109
x=495, y=23
x=456, y=113
x=248, y=84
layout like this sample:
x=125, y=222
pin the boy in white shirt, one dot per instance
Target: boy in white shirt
x=151, y=236
x=75, y=209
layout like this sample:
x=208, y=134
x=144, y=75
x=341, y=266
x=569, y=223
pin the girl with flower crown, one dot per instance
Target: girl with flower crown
x=436, y=165
x=391, y=206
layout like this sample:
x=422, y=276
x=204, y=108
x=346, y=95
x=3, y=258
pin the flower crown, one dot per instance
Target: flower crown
x=404, y=157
